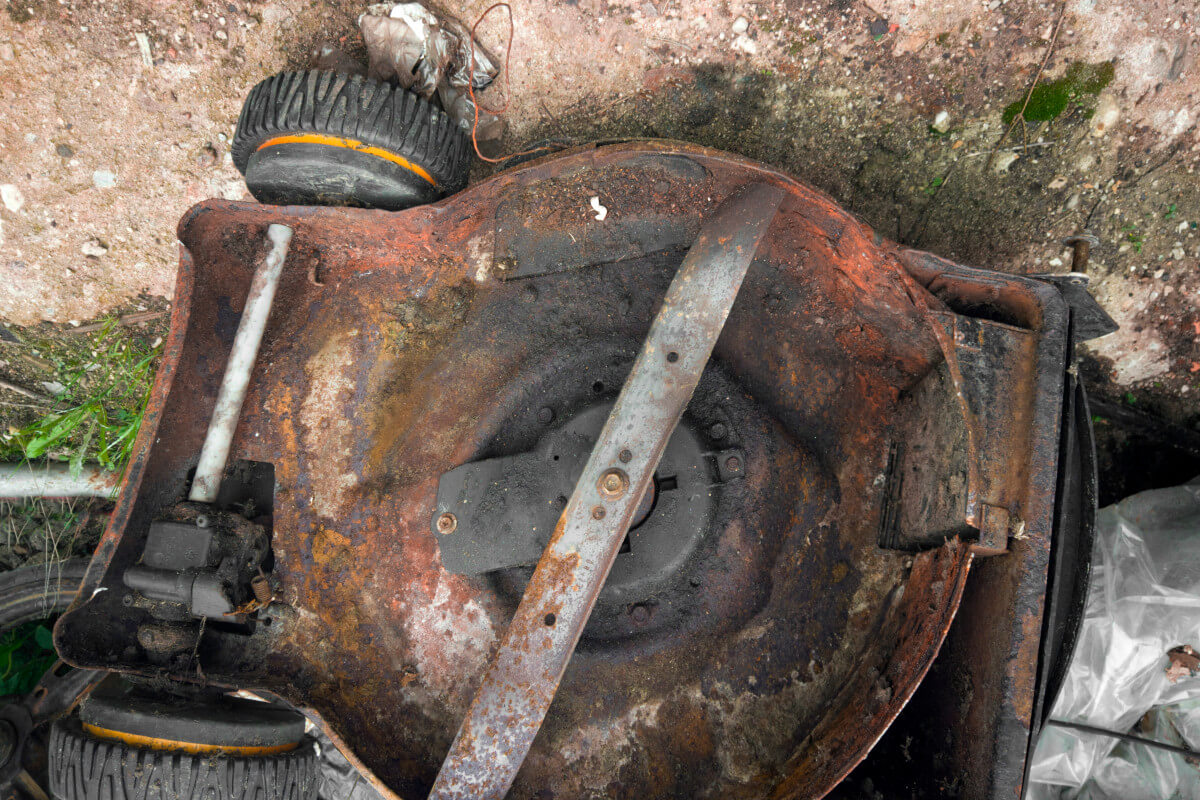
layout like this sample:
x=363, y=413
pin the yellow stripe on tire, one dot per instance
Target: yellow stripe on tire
x=349, y=144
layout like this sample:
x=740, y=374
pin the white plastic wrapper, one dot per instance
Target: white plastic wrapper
x=1144, y=600
x=430, y=54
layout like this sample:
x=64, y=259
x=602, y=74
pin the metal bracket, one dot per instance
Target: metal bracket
x=520, y=683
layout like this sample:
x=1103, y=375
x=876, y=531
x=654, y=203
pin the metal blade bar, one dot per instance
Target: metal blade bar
x=521, y=681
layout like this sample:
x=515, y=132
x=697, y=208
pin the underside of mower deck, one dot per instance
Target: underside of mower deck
x=877, y=430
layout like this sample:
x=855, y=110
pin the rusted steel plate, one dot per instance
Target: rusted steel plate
x=400, y=350
x=520, y=683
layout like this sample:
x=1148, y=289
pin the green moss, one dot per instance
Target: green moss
x=1051, y=98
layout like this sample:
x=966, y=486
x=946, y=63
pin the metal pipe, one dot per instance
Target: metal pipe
x=242, y=356
x=55, y=480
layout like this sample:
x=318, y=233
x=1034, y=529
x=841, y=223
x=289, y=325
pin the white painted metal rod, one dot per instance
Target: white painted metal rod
x=242, y=356
x=55, y=480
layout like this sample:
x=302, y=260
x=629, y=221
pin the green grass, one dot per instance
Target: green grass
x=106, y=378
x=26, y=653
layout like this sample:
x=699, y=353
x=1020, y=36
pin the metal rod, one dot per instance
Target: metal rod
x=242, y=356
x=56, y=480
x=521, y=681
x=1125, y=737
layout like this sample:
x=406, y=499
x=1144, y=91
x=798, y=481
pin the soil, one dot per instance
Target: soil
x=896, y=109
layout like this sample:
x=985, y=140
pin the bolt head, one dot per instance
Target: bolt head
x=613, y=483
x=446, y=523
x=733, y=463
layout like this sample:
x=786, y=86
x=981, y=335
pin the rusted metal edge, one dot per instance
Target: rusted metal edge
x=521, y=681
x=135, y=470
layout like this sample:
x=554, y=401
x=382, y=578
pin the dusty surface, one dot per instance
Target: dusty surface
x=894, y=109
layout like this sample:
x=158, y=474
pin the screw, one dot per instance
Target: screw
x=598, y=513
x=545, y=415
x=613, y=483
x=717, y=430
x=625, y=456
x=733, y=463
x=446, y=524
x=1081, y=245
x=639, y=614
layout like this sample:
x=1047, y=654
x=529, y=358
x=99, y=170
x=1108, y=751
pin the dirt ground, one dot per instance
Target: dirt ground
x=116, y=116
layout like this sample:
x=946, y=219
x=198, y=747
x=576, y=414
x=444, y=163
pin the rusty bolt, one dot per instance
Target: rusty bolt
x=639, y=614
x=733, y=463
x=545, y=415
x=625, y=456
x=613, y=483
x=717, y=430
x=447, y=523
x=1081, y=245
x=598, y=513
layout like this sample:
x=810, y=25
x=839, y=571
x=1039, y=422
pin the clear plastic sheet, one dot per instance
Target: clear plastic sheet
x=1143, y=601
x=430, y=54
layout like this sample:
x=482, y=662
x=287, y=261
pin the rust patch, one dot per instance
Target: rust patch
x=1022, y=667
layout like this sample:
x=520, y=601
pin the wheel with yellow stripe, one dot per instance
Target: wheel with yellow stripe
x=126, y=744
x=322, y=138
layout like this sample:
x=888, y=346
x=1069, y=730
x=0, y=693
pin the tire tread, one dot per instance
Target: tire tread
x=354, y=107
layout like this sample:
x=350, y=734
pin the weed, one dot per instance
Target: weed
x=1134, y=237
x=1170, y=212
x=105, y=382
x=26, y=652
x=933, y=186
x=40, y=530
x=1130, y=399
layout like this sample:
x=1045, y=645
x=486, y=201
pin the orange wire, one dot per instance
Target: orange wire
x=507, y=89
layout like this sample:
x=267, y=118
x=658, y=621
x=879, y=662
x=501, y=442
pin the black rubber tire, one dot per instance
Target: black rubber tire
x=347, y=107
x=35, y=592
x=83, y=767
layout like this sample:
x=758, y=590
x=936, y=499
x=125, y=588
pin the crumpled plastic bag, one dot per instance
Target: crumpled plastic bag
x=430, y=54
x=1143, y=601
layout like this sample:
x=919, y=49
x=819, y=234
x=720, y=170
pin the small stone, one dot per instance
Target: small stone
x=64, y=150
x=12, y=197
x=93, y=248
x=941, y=123
x=1177, y=252
x=207, y=157
x=104, y=179
x=1003, y=161
x=740, y=26
x=1056, y=262
x=6, y=52
x=1057, y=183
x=1106, y=115
x=877, y=27
x=745, y=44
x=53, y=387
x=220, y=35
